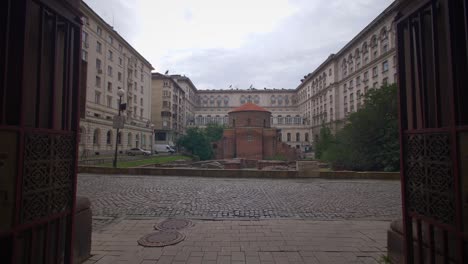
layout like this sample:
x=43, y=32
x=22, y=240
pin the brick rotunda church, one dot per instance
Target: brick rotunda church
x=250, y=136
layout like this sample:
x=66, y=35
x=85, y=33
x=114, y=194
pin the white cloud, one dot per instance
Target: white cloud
x=268, y=43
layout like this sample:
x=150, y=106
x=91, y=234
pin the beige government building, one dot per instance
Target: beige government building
x=171, y=103
x=111, y=63
x=325, y=96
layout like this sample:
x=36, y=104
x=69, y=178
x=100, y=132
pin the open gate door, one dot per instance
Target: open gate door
x=433, y=90
x=39, y=84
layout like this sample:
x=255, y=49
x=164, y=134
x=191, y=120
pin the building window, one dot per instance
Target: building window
x=129, y=139
x=306, y=137
x=99, y=30
x=249, y=137
x=96, y=137
x=298, y=137
x=374, y=72
x=110, y=55
x=366, y=76
x=119, y=76
x=109, y=137
x=385, y=81
x=98, y=47
x=120, y=60
x=109, y=101
x=141, y=77
x=385, y=66
x=120, y=47
x=141, y=113
x=141, y=89
x=111, y=40
x=329, y=72
x=109, y=86
x=288, y=137
x=84, y=55
x=84, y=35
x=141, y=101
x=119, y=138
x=109, y=71
x=97, y=97
x=98, y=65
x=98, y=81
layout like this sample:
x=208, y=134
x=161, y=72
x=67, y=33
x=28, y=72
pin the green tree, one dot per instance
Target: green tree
x=214, y=132
x=369, y=141
x=197, y=143
x=324, y=141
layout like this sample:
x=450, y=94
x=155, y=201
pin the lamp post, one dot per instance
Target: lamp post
x=120, y=93
x=152, y=139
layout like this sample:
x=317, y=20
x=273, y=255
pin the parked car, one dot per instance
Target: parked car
x=138, y=151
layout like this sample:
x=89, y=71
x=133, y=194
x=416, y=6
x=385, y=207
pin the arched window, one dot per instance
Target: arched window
x=297, y=120
x=212, y=101
x=384, y=33
x=219, y=100
x=137, y=141
x=109, y=137
x=280, y=120
x=256, y=99
x=288, y=120
x=208, y=119
x=119, y=138
x=218, y=120
x=199, y=120
x=288, y=137
x=374, y=41
x=280, y=100
x=298, y=137
x=226, y=100
x=273, y=99
x=307, y=137
x=242, y=99
x=96, y=136
x=129, y=139
x=365, y=47
x=286, y=100
x=205, y=100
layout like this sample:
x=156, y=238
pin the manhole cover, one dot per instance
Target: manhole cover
x=173, y=224
x=161, y=239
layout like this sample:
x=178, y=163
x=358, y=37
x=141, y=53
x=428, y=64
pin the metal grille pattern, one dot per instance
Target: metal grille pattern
x=48, y=175
x=429, y=176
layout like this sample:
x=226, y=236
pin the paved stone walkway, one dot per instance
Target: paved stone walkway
x=247, y=242
x=241, y=220
x=185, y=197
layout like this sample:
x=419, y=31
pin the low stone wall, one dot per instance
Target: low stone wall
x=235, y=173
x=372, y=175
x=190, y=172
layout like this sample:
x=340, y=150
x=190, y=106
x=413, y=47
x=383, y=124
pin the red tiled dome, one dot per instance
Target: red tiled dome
x=249, y=107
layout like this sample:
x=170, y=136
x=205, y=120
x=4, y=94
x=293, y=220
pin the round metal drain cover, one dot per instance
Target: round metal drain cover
x=173, y=224
x=161, y=239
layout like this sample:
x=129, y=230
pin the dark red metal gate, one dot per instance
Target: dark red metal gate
x=432, y=57
x=39, y=84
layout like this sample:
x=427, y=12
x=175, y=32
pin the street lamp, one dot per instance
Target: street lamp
x=152, y=138
x=118, y=124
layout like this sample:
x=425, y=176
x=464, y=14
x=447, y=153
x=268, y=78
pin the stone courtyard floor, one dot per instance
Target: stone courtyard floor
x=241, y=220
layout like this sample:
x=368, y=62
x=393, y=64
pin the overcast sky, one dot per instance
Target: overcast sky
x=217, y=43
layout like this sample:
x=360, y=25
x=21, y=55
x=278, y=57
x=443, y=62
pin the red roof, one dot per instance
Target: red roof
x=249, y=107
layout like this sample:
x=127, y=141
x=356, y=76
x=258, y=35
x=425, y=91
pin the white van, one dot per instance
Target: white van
x=162, y=148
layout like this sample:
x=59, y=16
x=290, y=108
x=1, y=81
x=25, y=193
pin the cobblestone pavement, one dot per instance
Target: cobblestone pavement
x=114, y=197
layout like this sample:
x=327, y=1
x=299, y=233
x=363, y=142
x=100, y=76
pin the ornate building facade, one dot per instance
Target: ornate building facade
x=325, y=96
x=112, y=64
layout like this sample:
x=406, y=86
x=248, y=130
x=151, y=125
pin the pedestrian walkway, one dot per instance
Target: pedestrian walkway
x=250, y=241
